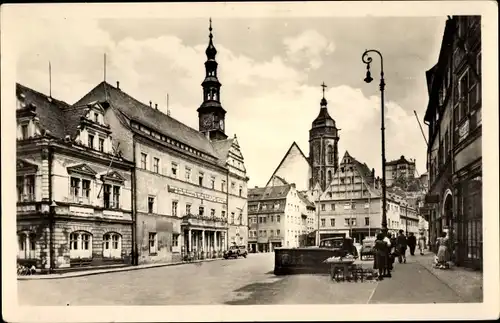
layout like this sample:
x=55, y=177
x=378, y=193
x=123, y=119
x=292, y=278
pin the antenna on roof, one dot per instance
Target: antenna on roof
x=168, y=109
x=50, y=80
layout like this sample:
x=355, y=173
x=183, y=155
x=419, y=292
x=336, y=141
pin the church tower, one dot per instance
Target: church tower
x=211, y=115
x=323, y=147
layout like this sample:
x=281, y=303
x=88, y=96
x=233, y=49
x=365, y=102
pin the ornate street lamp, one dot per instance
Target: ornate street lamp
x=366, y=58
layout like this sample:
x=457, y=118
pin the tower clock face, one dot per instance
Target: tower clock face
x=206, y=121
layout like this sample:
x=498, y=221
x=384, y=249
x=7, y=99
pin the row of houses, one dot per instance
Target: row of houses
x=109, y=179
x=454, y=155
x=321, y=193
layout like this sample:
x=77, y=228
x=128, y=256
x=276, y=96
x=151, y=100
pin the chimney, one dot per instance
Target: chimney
x=118, y=85
x=373, y=173
x=156, y=106
x=150, y=104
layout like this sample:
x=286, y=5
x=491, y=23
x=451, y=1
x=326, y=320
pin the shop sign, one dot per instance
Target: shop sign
x=201, y=196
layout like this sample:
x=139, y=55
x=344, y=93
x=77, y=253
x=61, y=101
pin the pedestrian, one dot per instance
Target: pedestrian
x=401, y=245
x=442, y=254
x=421, y=243
x=412, y=243
x=389, y=260
x=380, y=261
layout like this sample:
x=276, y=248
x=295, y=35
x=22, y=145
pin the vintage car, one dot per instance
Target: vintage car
x=235, y=252
x=311, y=259
x=367, y=247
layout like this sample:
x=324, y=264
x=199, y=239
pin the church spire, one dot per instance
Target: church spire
x=210, y=51
x=323, y=100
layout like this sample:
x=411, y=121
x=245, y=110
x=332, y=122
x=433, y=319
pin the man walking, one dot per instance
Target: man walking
x=401, y=245
x=412, y=243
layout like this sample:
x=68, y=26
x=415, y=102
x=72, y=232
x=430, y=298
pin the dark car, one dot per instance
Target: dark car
x=367, y=247
x=235, y=252
x=312, y=259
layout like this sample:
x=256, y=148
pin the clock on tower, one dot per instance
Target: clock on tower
x=211, y=113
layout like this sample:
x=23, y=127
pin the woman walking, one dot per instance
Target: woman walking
x=442, y=254
x=381, y=251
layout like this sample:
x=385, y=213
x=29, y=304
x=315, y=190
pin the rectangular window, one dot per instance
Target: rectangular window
x=464, y=94
x=212, y=182
x=152, y=243
x=367, y=221
x=85, y=241
x=96, y=117
x=278, y=218
x=323, y=222
x=241, y=190
x=144, y=158
x=20, y=188
x=332, y=222
x=75, y=187
x=201, y=211
x=223, y=214
x=175, y=240
x=332, y=206
x=174, y=170
x=116, y=197
x=188, y=174
x=156, y=165
x=174, y=208
x=30, y=187
x=240, y=218
x=223, y=185
x=86, y=189
x=232, y=217
x=323, y=207
x=101, y=144
x=200, y=179
x=151, y=204
x=24, y=131
x=188, y=209
x=107, y=196
x=212, y=213
x=91, y=141
x=278, y=232
x=353, y=205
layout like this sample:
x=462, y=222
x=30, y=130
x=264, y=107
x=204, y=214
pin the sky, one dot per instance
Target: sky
x=270, y=68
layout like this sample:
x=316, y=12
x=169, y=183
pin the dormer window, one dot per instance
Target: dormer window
x=96, y=117
x=101, y=144
x=91, y=141
x=24, y=131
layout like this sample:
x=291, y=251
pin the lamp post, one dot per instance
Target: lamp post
x=366, y=58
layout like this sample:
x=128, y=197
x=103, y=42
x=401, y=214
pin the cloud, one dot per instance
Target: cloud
x=269, y=101
x=308, y=46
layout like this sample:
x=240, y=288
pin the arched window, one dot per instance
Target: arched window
x=329, y=152
x=26, y=245
x=80, y=245
x=329, y=176
x=112, y=245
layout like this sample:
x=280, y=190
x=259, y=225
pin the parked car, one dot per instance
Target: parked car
x=235, y=252
x=367, y=247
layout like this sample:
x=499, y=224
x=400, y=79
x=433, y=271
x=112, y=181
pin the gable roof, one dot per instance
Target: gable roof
x=268, y=193
x=48, y=110
x=284, y=157
x=222, y=147
x=305, y=200
x=160, y=122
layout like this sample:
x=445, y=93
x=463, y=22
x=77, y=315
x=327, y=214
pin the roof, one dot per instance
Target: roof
x=222, y=148
x=160, y=122
x=265, y=193
x=48, y=109
x=365, y=173
x=401, y=160
x=305, y=200
x=284, y=157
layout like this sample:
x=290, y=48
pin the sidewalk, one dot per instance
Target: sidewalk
x=109, y=270
x=416, y=281
x=467, y=283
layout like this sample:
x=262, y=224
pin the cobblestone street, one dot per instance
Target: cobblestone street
x=235, y=282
